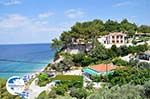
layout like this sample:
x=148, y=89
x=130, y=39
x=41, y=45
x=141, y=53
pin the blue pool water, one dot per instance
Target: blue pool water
x=90, y=71
x=19, y=60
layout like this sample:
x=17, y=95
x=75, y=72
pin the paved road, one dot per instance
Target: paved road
x=36, y=90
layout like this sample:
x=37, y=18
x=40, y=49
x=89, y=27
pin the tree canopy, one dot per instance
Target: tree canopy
x=92, y=29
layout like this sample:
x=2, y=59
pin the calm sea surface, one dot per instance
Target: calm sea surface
x=19, y=60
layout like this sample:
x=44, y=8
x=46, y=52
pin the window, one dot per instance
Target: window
x=113, y=41
x=121, y=41
x=117, y=37
x=121, y=36
x=113, y=37
x=117, y=41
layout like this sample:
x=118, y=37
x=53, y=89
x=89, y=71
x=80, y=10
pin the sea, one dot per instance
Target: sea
x=24, y=59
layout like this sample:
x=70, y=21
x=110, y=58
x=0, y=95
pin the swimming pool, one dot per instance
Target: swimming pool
x=90, y=71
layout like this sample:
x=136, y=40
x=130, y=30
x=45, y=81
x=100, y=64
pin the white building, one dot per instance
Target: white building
x=115, y=38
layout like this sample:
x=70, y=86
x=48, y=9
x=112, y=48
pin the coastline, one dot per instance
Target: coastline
x=30, y=74
x=20, y=58
x=40, y=70
x=51, y=60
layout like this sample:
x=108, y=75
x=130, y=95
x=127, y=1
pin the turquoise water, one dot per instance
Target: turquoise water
x=90, y=71
x=19, y=60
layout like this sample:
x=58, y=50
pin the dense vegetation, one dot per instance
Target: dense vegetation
x=127, y=75
x=127, y=91
x=120, y=62
x=65, y=83
x=43, y=79
x=132, y=63
x=130, y=81
x=99, y=54
x=64, y=65
x=79, y=93
x=89, y=31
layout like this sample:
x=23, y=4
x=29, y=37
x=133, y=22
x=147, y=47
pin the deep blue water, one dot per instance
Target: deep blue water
x=19, y=60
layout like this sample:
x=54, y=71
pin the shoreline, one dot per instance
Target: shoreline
x=24, y=59
x=31, y=74
x=40, y=70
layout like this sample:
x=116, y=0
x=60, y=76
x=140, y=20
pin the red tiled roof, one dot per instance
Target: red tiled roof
x=117, y=33
x=103, y=67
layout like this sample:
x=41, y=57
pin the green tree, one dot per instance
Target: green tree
x=133, y=62
x=58, y=67
x=100, y=52
x=57, y=44
x=128, y=27
x=123, y=50
x=96, y=78
x=63, y=65
x=83, y=59
x=79, y=93
x=59, y=90
x=124, y=92
x=112, y=26
x=129, y=75
x=114, y=51
x=67, y=63
x=144, y=29
x=85, y=31
x=43, y=76
x=120, y=62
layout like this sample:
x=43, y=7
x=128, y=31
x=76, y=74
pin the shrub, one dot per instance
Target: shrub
x=52, y=94
x=78, y=93
x=100, y=52
x=133, y=62
x=147, y=89
x=89, y=85
x=59, y=90
x=43, y=79
x=124, y=92
x=129, y=75
x=144, y=65
x=82, y=59
x=64, y=65
x=95, y=78
x=120, y=62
